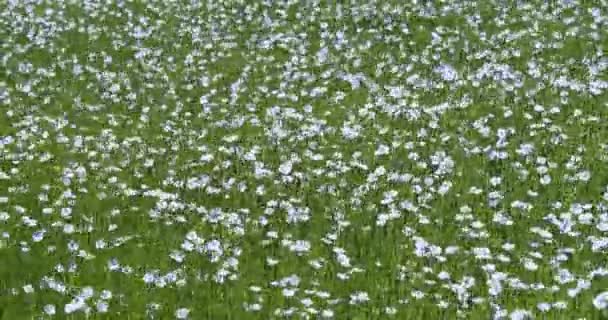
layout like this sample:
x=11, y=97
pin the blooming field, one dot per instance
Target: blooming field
x=299, y=159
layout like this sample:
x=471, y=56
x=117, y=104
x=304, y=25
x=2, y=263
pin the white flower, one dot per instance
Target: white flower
x=443, y=275
x=520, y=315
x=86, y=293
x=529, y=264
x=601, y=301
x=300, y=246
x=74, y=305
x=307, y=302
x=285, y=168
x=106, y=295
x=382, y=150
x=68, y=228
x=177, y=256
x=417, y=294
x=327, y=313
x=350, y=133
x=342, y=258
x=444, y=187
x=390, y=310
x=482, y=253
x=545, y=180
x=28, y=288
x=583, y=176
x=38, y=236
x=102, y=307
x=544, y=306
x=49, y=309
x=322, y=55
x=182, y=313
x=494, y=181
x=149, y=277
x=288, y=292
x=447, y=72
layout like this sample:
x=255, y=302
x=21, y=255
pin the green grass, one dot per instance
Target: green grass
x=137, y=125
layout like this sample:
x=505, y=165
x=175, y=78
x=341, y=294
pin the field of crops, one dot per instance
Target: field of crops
x=303, y=159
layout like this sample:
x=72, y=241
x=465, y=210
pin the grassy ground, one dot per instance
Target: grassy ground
x=262, y=160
